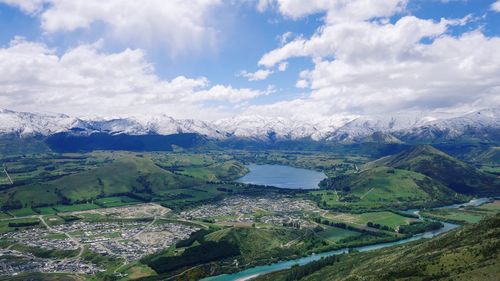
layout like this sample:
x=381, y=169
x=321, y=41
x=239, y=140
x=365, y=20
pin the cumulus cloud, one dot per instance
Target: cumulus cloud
x=260, y=74
x=364, y=63
x=27, y=6
x=339, y=10
x=283, y=66
x=176, y=24
x=496, y=6
x=85, y=80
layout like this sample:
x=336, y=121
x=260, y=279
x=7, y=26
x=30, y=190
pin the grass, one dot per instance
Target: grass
x=45, y=211
x=462, y=215
x=118, y=201
x=381, y=187
x=137, y=271
x=493, y=206
x=4, y=215
x=383, y=218
x=22, y=212
x=465, y=215
x=75, y=207
x=335, y=234
x=470, y=253
x=55, y=236
x=4, y=224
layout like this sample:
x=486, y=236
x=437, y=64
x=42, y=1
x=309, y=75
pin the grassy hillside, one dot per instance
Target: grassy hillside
x=441, y=167
x=230, y=249
x=386, y=187
x=133, y=176
x=126, y=175
x=469, y=253
x=490, y=156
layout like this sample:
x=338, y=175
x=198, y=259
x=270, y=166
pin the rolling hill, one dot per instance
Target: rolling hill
x=135, y=177
x=443, y=168
x=419, y=176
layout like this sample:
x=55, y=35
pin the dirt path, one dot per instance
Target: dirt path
x=7, y=174
x=367, y=192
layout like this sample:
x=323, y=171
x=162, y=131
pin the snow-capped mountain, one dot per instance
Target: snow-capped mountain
x=24, y=123
x=408, y=126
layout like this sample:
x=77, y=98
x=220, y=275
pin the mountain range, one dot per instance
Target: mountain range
x=402, y=127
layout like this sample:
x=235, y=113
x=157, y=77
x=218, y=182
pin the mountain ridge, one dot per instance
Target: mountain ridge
x=405, y=127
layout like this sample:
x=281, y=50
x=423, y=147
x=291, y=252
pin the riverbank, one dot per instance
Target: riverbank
x=260, y=270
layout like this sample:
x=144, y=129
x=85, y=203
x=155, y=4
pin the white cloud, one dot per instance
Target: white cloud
x=496, y=6
x=302, y=83
x=340, y=10
x=356, y=40
x=366, y=64
x=283, y=66
x=177, y=25
x=84, y=80
x=227, y=93
x=260, y=74
x=263, y=5
x=27, y=6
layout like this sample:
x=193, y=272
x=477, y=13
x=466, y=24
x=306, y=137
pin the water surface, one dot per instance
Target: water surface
x=282, y=176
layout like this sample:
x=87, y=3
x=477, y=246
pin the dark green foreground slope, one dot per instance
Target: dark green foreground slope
x=468, y=253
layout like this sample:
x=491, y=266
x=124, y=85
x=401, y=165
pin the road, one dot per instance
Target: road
x=125, y=261
x=82, y=248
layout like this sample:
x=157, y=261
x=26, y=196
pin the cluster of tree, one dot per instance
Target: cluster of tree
x=12, y=205
x=206, y=252
x=419, y=227
x=335, y=224
x=338, y=182
x=195, y=236
x=379, y=226
x=223, y=189
x=294, y=224
x=70, y=218
x=405, y=214
x=24, y=223
x=297, y=272
x=349, y=198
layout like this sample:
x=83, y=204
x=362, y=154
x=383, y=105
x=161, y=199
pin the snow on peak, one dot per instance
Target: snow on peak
x=341, y=128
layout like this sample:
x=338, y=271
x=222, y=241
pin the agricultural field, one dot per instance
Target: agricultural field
x=466, y=214
x=383, y=218
x=335, y=234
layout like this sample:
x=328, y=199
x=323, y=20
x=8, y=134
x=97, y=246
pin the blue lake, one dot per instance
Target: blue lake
x=282, y=176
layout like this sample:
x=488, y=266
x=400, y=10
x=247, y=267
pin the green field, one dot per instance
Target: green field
x=118, y=201
x=22, y=212
x=465, y=215
x=383, y=218
x=45, y=211
x=75, y=207
x=467, y=254
x=335, y=234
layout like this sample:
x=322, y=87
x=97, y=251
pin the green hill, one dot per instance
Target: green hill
x=385, y=187
x=491, y=156
x=420, y=176
x=218, y=251
x=469, y=253
x=443, y=168
x=131, y=175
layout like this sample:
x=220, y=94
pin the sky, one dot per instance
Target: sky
x=211, y=59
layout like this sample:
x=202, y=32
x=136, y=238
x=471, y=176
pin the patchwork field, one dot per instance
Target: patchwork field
x=466, y=214
x=335, y=234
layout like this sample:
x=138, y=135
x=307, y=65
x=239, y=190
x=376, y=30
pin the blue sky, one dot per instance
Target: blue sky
x=186, y=58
